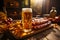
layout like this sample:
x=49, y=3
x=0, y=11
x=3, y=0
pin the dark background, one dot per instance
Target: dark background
x=1, y=5
x=56, y=3
x=53, y=3
x=45, y=9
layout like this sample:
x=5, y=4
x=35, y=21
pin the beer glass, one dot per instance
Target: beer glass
x=27, y=19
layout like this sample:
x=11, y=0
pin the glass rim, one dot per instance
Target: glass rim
x=27, y=9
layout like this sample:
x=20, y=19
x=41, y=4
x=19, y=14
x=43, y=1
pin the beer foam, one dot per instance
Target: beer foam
x=27, y=9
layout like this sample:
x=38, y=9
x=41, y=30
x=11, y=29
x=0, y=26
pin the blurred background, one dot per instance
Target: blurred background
x=13, y=8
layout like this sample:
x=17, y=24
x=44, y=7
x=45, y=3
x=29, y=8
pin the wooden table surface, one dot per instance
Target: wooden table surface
x=49, y=34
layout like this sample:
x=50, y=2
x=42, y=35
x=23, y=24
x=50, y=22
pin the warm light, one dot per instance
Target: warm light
x=34, y=2
x=37, y=5
x=38, y=1
x=26, y=2
x=27, y=30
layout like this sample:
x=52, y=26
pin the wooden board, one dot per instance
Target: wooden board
x=24, y=35
x=35, y=32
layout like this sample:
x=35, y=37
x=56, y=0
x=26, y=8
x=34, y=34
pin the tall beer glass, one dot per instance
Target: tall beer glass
x=27, y=19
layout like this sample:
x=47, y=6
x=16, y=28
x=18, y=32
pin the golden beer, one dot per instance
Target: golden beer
x=27, y=19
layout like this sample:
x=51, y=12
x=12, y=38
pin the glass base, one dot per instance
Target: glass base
x=27, y=30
